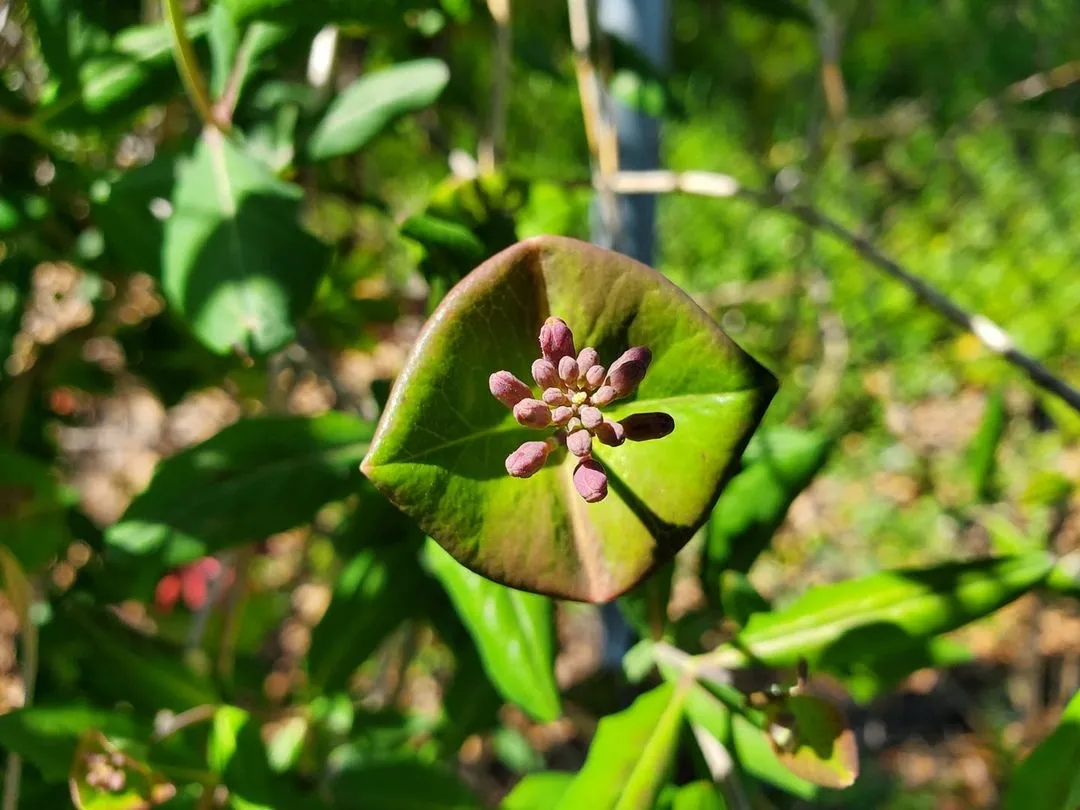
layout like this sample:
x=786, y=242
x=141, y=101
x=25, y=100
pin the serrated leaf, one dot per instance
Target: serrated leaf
x=778, y=465
x=253, y=479
x=513, y=632
x=443, y=434
x=236, y=263
x=538, y=791
x=835, y=625
x=818, y=746
x=630, y=755
x=368, y=105
x=400, y=785
x=1048, y=779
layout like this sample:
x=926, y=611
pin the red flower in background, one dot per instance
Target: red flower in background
x=192, y=583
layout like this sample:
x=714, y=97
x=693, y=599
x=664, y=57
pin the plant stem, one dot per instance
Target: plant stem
x=188, y=65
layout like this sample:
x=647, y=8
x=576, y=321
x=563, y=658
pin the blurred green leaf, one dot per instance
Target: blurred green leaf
x=778, y=465
x=253, y=479
x=367, y=106
x=300, y=13
x=817, y=744
x=236, y=262
x=33, y=513
x=630, y=755
x=538, y=791
x=1049, y=778
x=399, y=785
x=869, y=677
x=982, y=452
x=834, y=626
x=443, y=433
x=739, y=598
x=513, y=632
x=698, y=796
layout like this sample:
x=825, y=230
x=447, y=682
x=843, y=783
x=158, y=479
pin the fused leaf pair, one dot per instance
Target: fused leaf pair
x=576, y=387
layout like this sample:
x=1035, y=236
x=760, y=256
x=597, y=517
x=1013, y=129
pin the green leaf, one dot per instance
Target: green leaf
x=301, y=13
x=538, y=791
x=698, y=796
x=236, y=263
x=839, y=627
x=47, y=736
x=400, y=785
x=513, y=632
x=1049, y=779
x=740, y=598
x=874, y=675
x=982, y=452
x=779, y=464
x=817, y=744
x=33, y=514
x=368, y=105
x=440, y=448
x=377, y=591
x=630, y=755
x=255, y=478
x=754, y=751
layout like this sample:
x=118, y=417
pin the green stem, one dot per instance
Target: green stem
x=188, y=65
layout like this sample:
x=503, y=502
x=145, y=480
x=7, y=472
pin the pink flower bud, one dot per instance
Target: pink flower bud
x=573, y=424
x=603, y=395
x=590, y=481
x=590, y=416
x=527, y=459
x=610, y=433
x=594, y=376
x=562, y=414
x=555, y=396
x=586, y=360
x=629, y=370
x=640, y=427
x=545, y=374
x=507, y=388
x=579, y=442
x=568, y=370
x=556, y=340
x=532, y=413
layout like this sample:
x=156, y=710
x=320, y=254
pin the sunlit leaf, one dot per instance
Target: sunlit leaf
x=1049, y=778
x=538, y=791
x=817, y=744
x=440, y=449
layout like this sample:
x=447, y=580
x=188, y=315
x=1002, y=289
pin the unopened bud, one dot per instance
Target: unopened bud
x=579, y=442
x=545, y=374
x=629, y=370
x=527, y=459
x=610, y=433
x=532, y=413
x=590, y=480
x=590, y=416
x=556, y=340
x=507, y=388
x=555, y=396
x=573, y=424
x=594, y=376
x=562, y=414
x=588, y=358
x=640, y=427
x=568, y=370
x=603, y=395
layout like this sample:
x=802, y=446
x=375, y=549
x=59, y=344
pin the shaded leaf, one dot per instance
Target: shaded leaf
x=778, y=465
x=253, y=479
x=630, y=755
x=835, y=625
x=400, y=785
x=440, y=448
x=538, y=791
x=365, y=108
x=740, y=598
x=300, y=13
x=33, y=514
x=513, y=632
x=1049, y=779
x=236, y=263
x=698, y=796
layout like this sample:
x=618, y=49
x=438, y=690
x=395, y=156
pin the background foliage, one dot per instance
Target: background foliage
x=208, y=283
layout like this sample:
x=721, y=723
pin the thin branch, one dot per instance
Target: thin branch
x=990, y=334
x=188, y=65
x=225, y=107
x=493, y=144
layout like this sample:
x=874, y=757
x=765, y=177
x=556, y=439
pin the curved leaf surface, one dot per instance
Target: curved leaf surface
x=441, y=444
x=512, y=631
x=1049, y=778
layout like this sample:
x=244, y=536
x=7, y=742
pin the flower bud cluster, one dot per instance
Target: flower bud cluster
x=575, y=388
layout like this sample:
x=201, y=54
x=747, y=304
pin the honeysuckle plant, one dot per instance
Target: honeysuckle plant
x=589, y=510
